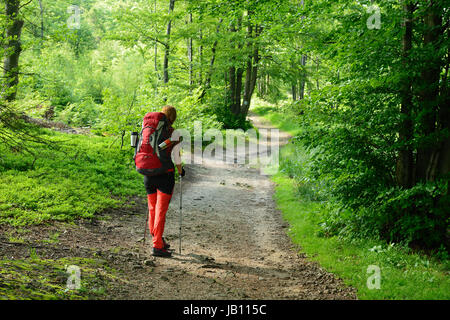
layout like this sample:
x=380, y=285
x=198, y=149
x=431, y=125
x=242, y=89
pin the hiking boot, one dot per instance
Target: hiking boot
x=166, y=245
x=161, y=253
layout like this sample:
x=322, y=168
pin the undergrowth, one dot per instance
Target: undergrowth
x=313, y=211
x=75, y=176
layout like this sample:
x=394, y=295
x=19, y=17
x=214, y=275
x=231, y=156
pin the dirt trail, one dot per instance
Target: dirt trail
x=234, y=243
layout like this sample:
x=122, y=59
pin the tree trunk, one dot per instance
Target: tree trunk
x=304, y=58
x=239, y=73
x=237, y=101
x=232, y=76
x=444, y=122
x=235, y=73
x=13, y=49
x=156, y=56
x=303, y=78
x=254, y=76
x=249, y=69
x=317, y=74
x=262, y=85
x=190, y=57
x=200, y=56
x=167, y=46
x=252, y=67
x=211, y=64
x=42, y=18
x=429, y=95
x=405, y=161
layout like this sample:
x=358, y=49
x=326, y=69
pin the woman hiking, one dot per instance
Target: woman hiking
x=159, y=181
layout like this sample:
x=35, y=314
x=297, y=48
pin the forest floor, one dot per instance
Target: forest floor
x=234, y=243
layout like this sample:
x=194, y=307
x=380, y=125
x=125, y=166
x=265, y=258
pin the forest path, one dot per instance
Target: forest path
x=234, y=243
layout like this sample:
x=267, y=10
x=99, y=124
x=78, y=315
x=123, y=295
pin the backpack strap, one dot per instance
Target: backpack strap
x=140, y=140
x=154, y=137
x=158, y=130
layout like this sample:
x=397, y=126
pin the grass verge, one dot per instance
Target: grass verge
x=75, y=176
x=403, y=275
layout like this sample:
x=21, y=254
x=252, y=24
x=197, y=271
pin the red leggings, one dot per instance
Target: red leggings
x=158, y=204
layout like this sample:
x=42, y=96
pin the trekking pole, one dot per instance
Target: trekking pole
x=134, y=144
x=181, y=208
x=145, y=228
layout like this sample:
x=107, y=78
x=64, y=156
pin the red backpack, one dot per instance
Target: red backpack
x=149, y=159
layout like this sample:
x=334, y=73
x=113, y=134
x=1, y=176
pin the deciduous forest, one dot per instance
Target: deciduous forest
x=362, y=88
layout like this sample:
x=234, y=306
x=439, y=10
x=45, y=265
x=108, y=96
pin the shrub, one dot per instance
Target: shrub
x=220, y=107
x=81, y=114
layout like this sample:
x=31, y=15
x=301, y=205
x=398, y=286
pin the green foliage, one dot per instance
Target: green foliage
x=355, y=84
x=343, y=168
x=82, y=114
x=75, y=178
x=220, y=108
x=402, y=271
x=348, y=122
x=418, y=216
x=190, y=110
x=354, y=151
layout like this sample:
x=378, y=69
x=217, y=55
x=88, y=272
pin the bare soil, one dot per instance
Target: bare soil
x=234, y=243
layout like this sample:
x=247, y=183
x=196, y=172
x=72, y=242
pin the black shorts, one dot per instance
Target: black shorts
x=163, y=182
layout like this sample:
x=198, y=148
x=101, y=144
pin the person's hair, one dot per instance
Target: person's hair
x=170, y=112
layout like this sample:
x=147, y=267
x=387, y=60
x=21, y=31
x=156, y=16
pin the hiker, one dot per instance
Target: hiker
x=160, y=188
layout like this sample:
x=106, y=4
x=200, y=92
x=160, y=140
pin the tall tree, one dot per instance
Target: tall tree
x=190, y=57
x=253, y=58
x=444, y=119
x=13, y=48
x=167, y=45
x=235, y=71
x=156, y=50
x=207, y=85
x=41, y=9
x=405, y=162
x=241, y=99
x=428, y=153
